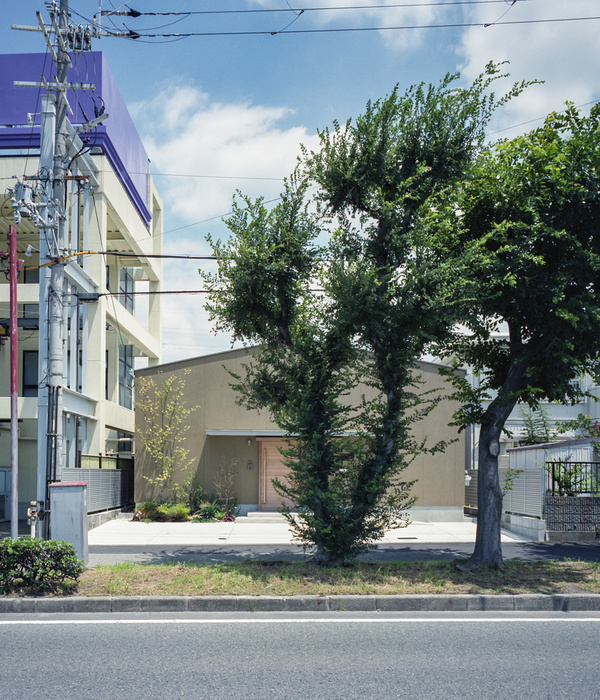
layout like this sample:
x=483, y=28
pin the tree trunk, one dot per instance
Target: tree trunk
x=488, y=549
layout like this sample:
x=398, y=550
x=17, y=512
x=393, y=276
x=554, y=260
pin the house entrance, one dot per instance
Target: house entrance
x=270, y=466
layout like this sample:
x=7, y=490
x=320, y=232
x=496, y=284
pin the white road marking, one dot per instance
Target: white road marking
x=303, y=621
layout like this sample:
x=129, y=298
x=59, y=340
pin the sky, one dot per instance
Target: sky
x=227, y=108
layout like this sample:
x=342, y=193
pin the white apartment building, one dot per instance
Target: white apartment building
x=114, y=224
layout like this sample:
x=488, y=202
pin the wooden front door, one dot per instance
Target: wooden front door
x=270, y=466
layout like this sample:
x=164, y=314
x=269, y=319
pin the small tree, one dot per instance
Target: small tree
x=162, y=430
x=537, y=425
x=226, y=483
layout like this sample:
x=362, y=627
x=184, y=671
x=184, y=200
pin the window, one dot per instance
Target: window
x=31, y=276
x=30, y=373
x=126, y=376
x=126, y=288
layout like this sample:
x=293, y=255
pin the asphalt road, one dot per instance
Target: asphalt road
x=300, y=656
x=155, y=554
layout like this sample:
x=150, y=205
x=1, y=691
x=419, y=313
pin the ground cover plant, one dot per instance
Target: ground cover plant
x=279, y=578
x=205, y=512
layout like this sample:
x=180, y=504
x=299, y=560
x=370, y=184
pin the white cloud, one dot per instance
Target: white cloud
x=214, y=149
x=563, y=54
x=211, y=148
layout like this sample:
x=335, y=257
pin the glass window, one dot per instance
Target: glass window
x=30, y=373
x=126, y=288
x=126, y=376
x=31, y=276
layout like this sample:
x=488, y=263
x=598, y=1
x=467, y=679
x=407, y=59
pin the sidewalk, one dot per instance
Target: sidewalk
x=243, y=531
x=243, y=534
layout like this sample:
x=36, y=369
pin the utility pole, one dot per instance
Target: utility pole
x=14, y=267
x=57, y=271
x=59, y=144
x=14, y=387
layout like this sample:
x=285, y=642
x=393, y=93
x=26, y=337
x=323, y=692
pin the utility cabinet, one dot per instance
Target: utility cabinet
x=68, y=515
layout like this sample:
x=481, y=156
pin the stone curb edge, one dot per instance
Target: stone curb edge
x=332, y=603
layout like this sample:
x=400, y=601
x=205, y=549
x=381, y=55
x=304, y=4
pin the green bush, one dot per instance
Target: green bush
x=209, y=511
x=37, y=565
x=146, y=510
x=173, y=512
x=152, y=510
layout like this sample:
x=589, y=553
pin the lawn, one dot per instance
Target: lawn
x=280, y=578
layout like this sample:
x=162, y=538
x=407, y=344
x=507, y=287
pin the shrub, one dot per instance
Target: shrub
x=173, y=512
x=197, y=496
x=208, y=511
x=146, y=510
x=37, y=565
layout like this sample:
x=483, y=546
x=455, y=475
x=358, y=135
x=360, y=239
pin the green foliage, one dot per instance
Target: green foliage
x=147, y=510
x=209, y=511
x=521, y=234
x=383, y=302
x=537, y=425
x=155, y=511
x=163, y=422
x=37, y=566
x=173, y=512
x=583, y=426
x=510, y=477
x=571, y=479
x=197, y=496
x=522, y=237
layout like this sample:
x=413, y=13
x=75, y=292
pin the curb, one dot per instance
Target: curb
x=333, y=603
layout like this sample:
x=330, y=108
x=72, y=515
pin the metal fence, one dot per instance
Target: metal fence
x=107, y=488
x=525, y=497
x=573, y=478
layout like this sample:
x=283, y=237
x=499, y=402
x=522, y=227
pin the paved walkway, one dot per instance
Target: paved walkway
x=243, y=531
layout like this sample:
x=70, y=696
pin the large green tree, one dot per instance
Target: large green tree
x=522, y=235
x=264, y=294
x=384, y=301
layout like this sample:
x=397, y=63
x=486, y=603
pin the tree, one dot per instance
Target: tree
x=263, y=294
x=383, y=303
x=163, y=424
x=538, y=427
x=523, y=238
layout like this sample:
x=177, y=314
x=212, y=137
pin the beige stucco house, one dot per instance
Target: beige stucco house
x=223, y=430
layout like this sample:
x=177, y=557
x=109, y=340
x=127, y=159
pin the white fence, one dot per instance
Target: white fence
x=526, y=497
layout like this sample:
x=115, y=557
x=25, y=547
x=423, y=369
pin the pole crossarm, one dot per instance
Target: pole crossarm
x=55, y=86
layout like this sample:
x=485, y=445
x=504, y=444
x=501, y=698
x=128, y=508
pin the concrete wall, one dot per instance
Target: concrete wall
x=440, y=485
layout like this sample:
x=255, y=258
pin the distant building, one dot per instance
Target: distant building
x=221, y=430
x=114, y=208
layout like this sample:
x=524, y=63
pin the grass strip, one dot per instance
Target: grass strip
x=280, y=578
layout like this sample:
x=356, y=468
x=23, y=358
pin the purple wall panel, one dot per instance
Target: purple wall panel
x=117, y=135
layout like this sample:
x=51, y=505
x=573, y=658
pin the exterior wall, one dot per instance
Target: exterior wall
x=221, y=429
x=122, y=214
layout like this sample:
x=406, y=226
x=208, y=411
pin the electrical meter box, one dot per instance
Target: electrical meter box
x=68, y=515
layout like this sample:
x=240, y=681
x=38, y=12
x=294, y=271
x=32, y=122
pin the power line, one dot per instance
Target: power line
x=296, y=10
x=338, y=30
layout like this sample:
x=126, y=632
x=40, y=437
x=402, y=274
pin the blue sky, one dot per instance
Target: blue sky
x=228, y=110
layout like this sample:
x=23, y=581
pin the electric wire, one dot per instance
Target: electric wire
x=355, y=30
x=337, y=8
